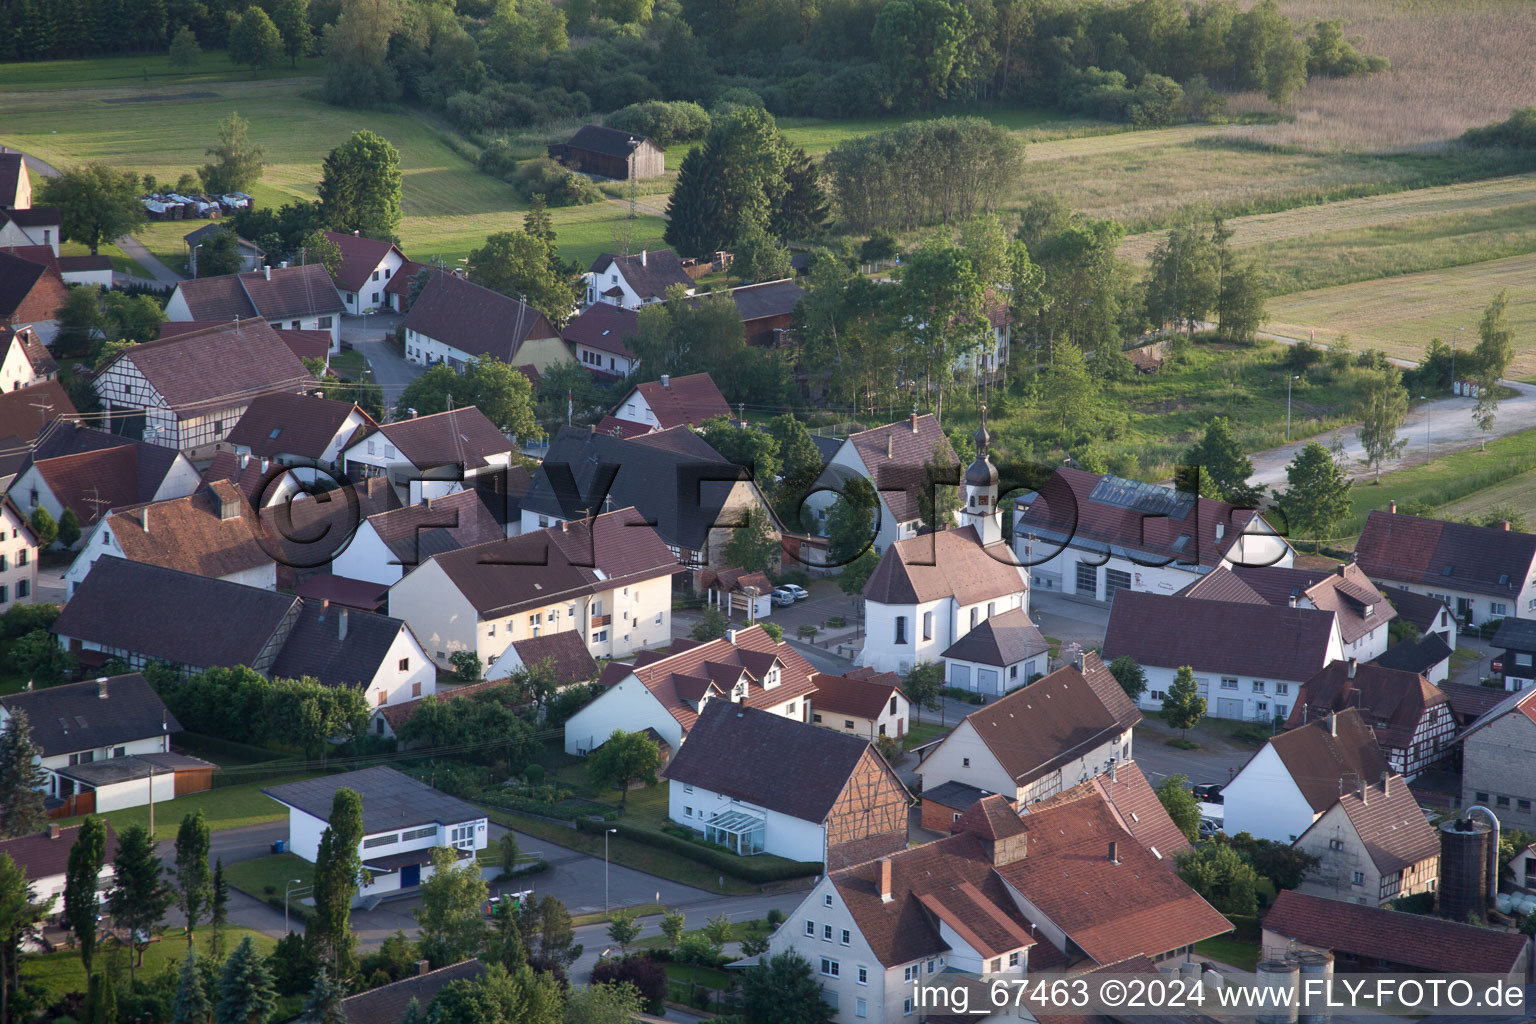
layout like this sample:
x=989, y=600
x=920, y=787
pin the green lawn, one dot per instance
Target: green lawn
x=349, y=363
x=816, y=135
x=120, y=260
x=270, y=875
x=227, y=807
x=923, y=732
x=138, y=70
x=60, y=973
x=1240, y=953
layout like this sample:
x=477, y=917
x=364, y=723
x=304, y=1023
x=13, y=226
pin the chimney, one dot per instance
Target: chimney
x=1386, y=783
x=1354, y=666
x=730, y=635
x=1333, y=724
x=144, y=518
x=642, y=257
x=1504, y=525
x=1114, y=771
x=1340, y=570
x=53, y=830
x=266, y=464
x=1292, y=601
x=355, y=233
x=411, y=413
x=341, y=626
x=267, y=272
x=666, y=380
x=1077, y=661
x=1365, y=793
x=914, y=422
x=423, y=967
x=565, y=526
x=101, y=687
x=1114, y=852
x=325, y=606
x=283, y=265
x=1221, y=530
x=1392, y=506
x=885, y=880
x=889, y=441
x=591, y=429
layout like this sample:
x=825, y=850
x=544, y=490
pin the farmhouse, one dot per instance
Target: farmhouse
x=303, y=431
x=38, y=225
x=689, y=401
x=609, y=153
x=636, y=280
x=455, y=320
x=251, y=254
x=367, y=268
x=297, y=298
x=1363, y=612
x=1373, y=846
x=1498, y=768
x=1411, y=716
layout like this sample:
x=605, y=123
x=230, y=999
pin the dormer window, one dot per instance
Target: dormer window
x=1370, y=610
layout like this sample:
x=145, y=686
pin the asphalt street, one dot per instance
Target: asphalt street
x=369, y=334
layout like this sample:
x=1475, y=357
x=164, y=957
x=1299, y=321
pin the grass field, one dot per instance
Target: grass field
x=227, y=807
x=1399, y=315
x=1516, y=492
x=255, y=877
x=139, y=70
x=120, y=260
x=60, y=973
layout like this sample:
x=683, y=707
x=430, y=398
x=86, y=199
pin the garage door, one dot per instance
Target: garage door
x=1088, y=580
x=1229, y=707
x=1115, y=579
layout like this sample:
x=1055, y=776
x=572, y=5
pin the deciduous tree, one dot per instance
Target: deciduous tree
x=451, y=916
x=317, y=247
x=1183, y=707
x=254, y=40
x=19, y=915
x=97, y=203
x=360, y=186
x=185, y=52
x=337, y=870
x=1496, y=340
x=218, y=255
x=194, y=881
x=851, y=521
x=1318, y=495
x=82, y=899
x=922, y=685
x=782, y=991
x=1131, y=676
x=292, y=20
x=1383, y=411
x=753, y=545
x=623, y=758
x=523, y=266
x=623, y=928
x=1181, y=805
x=1220, y=456
x=237, y=161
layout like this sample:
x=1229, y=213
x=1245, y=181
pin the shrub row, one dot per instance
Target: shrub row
x=200, y=743
x=746, y=869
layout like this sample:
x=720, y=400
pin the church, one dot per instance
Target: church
x=930, y=590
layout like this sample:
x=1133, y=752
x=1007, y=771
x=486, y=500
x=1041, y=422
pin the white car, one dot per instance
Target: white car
x=782, y=598
x=798, y=593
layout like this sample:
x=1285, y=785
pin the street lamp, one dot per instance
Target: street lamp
x=291, y=884
x=1288, y=379
x=606, y=834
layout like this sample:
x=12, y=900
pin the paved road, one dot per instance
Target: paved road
x=367, y=334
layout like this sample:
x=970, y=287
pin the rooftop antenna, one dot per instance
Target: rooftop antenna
x=96, y=501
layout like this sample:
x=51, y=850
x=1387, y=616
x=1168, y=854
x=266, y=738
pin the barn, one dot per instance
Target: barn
x=606, y=153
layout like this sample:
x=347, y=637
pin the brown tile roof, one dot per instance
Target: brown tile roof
x=1390, y=824
x=1470, y=703
x=1054, y=719
x=78, y=264
x=1521, y=702
x=684, y=401
x=1393, y=703
x=730, y=750
x=1135, y=805
x=96, y=713
x=26, y=411
x=547, y=566
x=1348, y=592
x=1111, y=910
x=1002, y=639
x=272, y=293
x=402, y=712
x=1101, y=512
x=1416, y=940
x=1222, y=584
x=40, y=855
x=217, y=299
x=292, y=424
x=624, y=429
x=951, y=563
x=307, y=531
x=414, y=533
x=337, y=646
x=250, y=478
x=219, y=366
x=363, y=594
x=190, y=534
x=1451, y=556
x=566, y=653
x=992, y=817
x=29, y=291
x=862, y=698
x=1323, y=765
x=306, y=344
x=649, y=273
x=449, y=438
x=901, y=476
x=41, y=360
x=605, y=327
x=675, y=678
x=1268, y=641
x=94, y=482
x=735, y=581
x=475, y=319
x=359, y=258
x=42, y=255
x=400, y=284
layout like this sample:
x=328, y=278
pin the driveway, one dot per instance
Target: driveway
x=1217, y=760
x=1069, y=619
x=369, y=335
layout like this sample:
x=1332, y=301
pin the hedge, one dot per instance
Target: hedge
x=533, y=867
x=744, y=868
x=234, y=748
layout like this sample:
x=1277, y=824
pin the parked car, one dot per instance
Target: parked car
x=1209, y=827
x=1208, y=792
x=513, y=900
x=782, y=598
x=798, y=593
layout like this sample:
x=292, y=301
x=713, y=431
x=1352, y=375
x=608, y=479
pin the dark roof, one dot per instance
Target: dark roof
x=681, y=494
x=1104, y=513
x=1390, y=824
x=217, y=299
x=96, y=480
x=1268, y=641
x=605, y=327
x=1347, y=591
x=291, y=424
x=37, y=355
x=18, y=277
x=826, y=447
x=272, y=293
x=953, y=794
x=565, y=651
x=1520, y=702
x=391, y=800
x=474, y=319
x=317, y=648
x=449, y=438
x=954, y=563
x=388, y=1004
x=1417, y=940
x=324, y=586
x=359, y=258
x=730, y=748
x=95, y=713
x=1471, y=703
x=10, y=177
x=32, y=216
x=1002, y=639
x=649, y=273
x=173, y=616
x=229, y=364
x=1450, y=556
x=1419, y=655
x=1323, y=764
x=1516, y=634
x=414, y=533
x=1055, y=719
x=400, y=283
x=1384, y=695
x=901, y=475
x=306, y=344
x=77, y=264
x=40, y=855
x=607, y=141
x=245, y=472
x=770, y=298
x=862, y=698
x=546, y=566
x=209, y=230
x=25, y=412
x=683, y=401
x=1420, y=609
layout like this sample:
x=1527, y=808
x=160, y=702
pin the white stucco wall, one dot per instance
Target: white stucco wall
x=627, y=705
x=947, y=763
x=366, y=557
x=1263, y=800
x=372, y=296
x=135, y=793
x=783, y=835
x=394, y=685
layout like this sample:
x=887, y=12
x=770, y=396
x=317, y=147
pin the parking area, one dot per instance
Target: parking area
x=1069, y=619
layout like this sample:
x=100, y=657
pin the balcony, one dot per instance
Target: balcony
x=599, y=621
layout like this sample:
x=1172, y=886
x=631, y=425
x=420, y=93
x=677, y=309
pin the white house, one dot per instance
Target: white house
x=1051, y=735
x=454, y=320
x=1093, y=535
x=432, y=456
x=1373, y=846
x=287, y=298
x=43, y=858
x=106, y=743
x=650, y=406
x=37, y=225
x=1005, y=651
x=864, y=703
x=387, y=545
x=1481, y=572
x=1299, y=774
x=302, y=431
x=1249, y=660
x=757, y=782
x=600, y=336
x=367, y=267
x=403, y=822
x=637, y=280
x=26, y=360
x=1362, y=610
x=565, y=654
x=745, y=667
x=15, y=181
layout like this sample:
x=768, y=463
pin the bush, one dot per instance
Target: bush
x=498, y=159
x=645, y=973
x=1516, y=132
x=746, y=869
x=198, y=743
x=558, y=186
x=664, y=123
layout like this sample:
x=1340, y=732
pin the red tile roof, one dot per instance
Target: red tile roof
x=306, y=344
x=400, y=284
x=359, y=258
x=290, y=292
x=604, y=327
x=683, y=401
x=649, y=273
x=26, y=411
x=1450, y=556
x=624, y=429
x=190, y=535
x=896, y=456
x=40, y=855
x=952, y=563
x=1135, y=805
x=992, y=817
x=42, y=255
x=1390, y=824
x=476, y=320
x=216, y=367
x=565, y=652
x=1323, y=763
x=862, y=698
x=363, y=594
x=1416, y=940
x=292, y=424
x=1002, y=639
x=1348, y=592
x=93, y=482
x=1401, y=700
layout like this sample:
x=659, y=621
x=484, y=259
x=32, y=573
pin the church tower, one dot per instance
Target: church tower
x=981, y=509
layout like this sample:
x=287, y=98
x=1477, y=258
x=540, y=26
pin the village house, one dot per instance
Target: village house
x=1134, y=803
x=15, y=182
x=609, y=578
x=1363, y=612
x=1410, y=716
x=1429, y=654
x=600, y=337
x=367, y=267
x=27, y=361
x=1249, y=659
x=894, y=458
x=1517, y=639
x=39, y=225
x=1094, y=535
x=736, y=590
x=433, y=456
x=251, y=254
x=689, y=401
x=43, y=858
x=1063, y=887
x=18, y=557
x=91, y=472
x=389, y=544
x=693, y=497
x=455, y=320
x=610, y=153
x=1522, y=869
x=1373, y=846
x=767, y=310
x=403, y=822
x=1368, y=939
x=140, y=613
x=302, y=431
x=94, y=270
x=1481, y=572
x=187, y=392
x=1426, y=614
x=831, y=798
x=1298, y=775
x=30, y=296
x=1057, y=732
x=1004, y=652
x=24, y=415
x=214, y=532
x=862, y=703
x=296, y=298
x=1498, y=764
x=635, y=280
x=666, y=691
x=105, y=743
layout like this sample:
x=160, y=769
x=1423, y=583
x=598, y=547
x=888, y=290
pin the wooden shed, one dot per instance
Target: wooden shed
x=609, y=153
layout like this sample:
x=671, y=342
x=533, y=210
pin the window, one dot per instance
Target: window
x=1228, y=683
x=1282, y=689
x=119, y=751
x=536, y=618
x=416, y=689
x=826, y=933
x=847, y=937
x=377, y=841
x=23, y=588
x=930, y=966
x=418, y=833
x=1335, y=844
x=1013, y=959
x=816, y=718
x=325, y=323
x=389, y=451
x=1013, y=671
x=901, y=629
x=893, y=705
x=1524, y=805
x=462, y=835
x=993, y=966
x=928, y=625
x=375, y=275
x=810, y=926
x=351, y=297
x=688, y=813
x=1258, y=686
x=1359, y=878
x=826, y=898
x=47, y=236
x=860, y=1007
x=1498, y=801
x=5, y=594
x=1482, y=798
x=966, y=762
x=1523, y=660
x=405, y=665
x=600, y=637
x=847, y=723
x=1261, y=707
x=1498, y=608
x=375, y=296
x=372, y=448
x=863, y=975
x=789, y=708
x=21, y=557
x=909, y=974
x=830, y=967
x=218, y=426
x=906, y=1007
x=5, y=562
